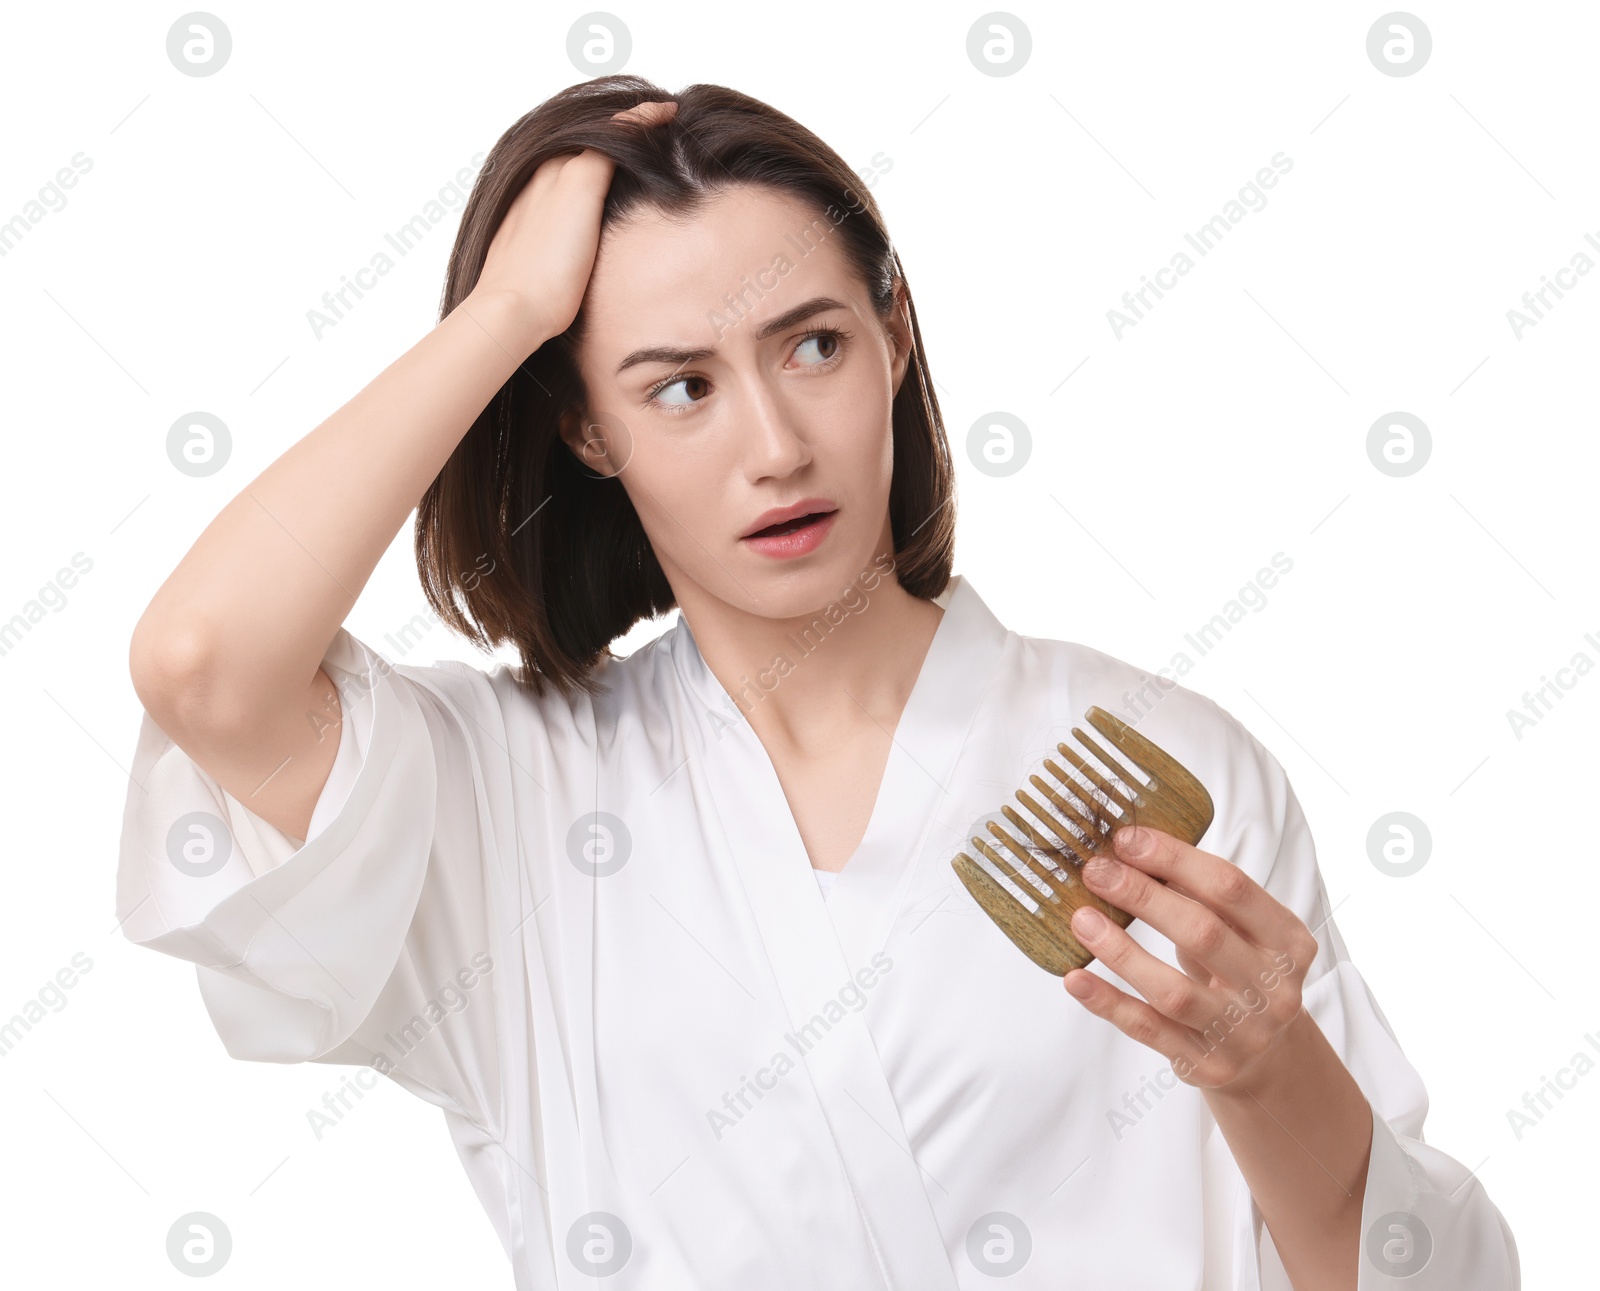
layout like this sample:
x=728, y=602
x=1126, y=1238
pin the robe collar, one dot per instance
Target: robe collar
x=958, y=672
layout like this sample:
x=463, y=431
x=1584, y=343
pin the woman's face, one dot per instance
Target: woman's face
x=714, y=405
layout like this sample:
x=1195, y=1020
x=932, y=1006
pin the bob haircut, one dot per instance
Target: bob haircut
x=516, y=540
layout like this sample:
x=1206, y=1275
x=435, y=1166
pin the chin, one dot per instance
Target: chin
x=834, y=587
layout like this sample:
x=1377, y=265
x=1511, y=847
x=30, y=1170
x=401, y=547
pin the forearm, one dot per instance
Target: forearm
x=267, y=584
x=1301, y=1132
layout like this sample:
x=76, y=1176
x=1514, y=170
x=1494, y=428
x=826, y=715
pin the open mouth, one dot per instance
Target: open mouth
x=791, y=526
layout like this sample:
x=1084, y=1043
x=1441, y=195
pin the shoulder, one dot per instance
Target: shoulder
x=1074, y=671
x=1249, y=787
x=496, y=692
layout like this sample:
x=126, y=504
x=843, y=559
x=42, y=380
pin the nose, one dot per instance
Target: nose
x=771, y=443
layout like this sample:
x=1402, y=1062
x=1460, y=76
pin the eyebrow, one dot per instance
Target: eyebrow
x=678, y=356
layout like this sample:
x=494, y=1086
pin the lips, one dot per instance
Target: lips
x=768, y=522
x=788, y=526
x=792, y=538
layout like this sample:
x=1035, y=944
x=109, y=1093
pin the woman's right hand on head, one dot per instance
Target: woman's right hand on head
x=542, y=254
x=227, y=657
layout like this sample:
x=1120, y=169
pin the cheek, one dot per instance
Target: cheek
x=675, y=496
x=859, y=434
x=862, y=414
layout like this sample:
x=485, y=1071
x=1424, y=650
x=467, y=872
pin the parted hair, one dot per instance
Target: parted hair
x=517, y=540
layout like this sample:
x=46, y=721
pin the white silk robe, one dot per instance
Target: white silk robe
x=588, y=930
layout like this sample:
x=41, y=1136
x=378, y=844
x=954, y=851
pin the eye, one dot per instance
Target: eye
x=825, y=342
x=656, y=391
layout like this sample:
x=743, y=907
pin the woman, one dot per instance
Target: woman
x=573, y=904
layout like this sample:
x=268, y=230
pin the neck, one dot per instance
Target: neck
x=845, y=664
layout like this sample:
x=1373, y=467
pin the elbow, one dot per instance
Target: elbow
x=176, y=675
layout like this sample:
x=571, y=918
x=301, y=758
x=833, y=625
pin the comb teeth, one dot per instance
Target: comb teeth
x=1081, y=813
x=1027, y=879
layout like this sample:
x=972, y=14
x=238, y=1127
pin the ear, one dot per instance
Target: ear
x=585, y=441
x=898, y=326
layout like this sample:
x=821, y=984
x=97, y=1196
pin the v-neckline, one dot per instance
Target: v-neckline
x=956, y=672
x=877, y=808
x=706, y=682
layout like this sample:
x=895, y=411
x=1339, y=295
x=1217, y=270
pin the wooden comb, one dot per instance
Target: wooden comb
x=1169, y=798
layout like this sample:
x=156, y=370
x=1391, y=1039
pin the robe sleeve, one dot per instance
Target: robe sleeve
x=367, y=943
x=1427, y=1223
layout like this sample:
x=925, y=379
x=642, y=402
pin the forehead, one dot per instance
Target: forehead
x=748, y=250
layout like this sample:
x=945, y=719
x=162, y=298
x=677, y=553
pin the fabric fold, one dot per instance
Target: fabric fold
x=326, y=950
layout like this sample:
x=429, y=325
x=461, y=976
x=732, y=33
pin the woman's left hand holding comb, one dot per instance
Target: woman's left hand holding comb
x=1234, y=1025
x=1244, y=956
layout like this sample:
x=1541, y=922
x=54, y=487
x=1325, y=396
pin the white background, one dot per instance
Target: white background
x=1167, y=467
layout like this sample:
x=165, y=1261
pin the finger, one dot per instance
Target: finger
x=1172, y=993
x=584, y=157
x=650, y=114
x=1204, y=934
x=1197, y=970
x=548, y=172
x=589, y=168
x=1134, y=1018
x=1213, y=881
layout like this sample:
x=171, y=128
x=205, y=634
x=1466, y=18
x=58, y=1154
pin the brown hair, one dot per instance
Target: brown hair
x=515, y=539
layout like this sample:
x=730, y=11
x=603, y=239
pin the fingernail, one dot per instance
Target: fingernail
x=1088, y=922
x=1132, y=840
